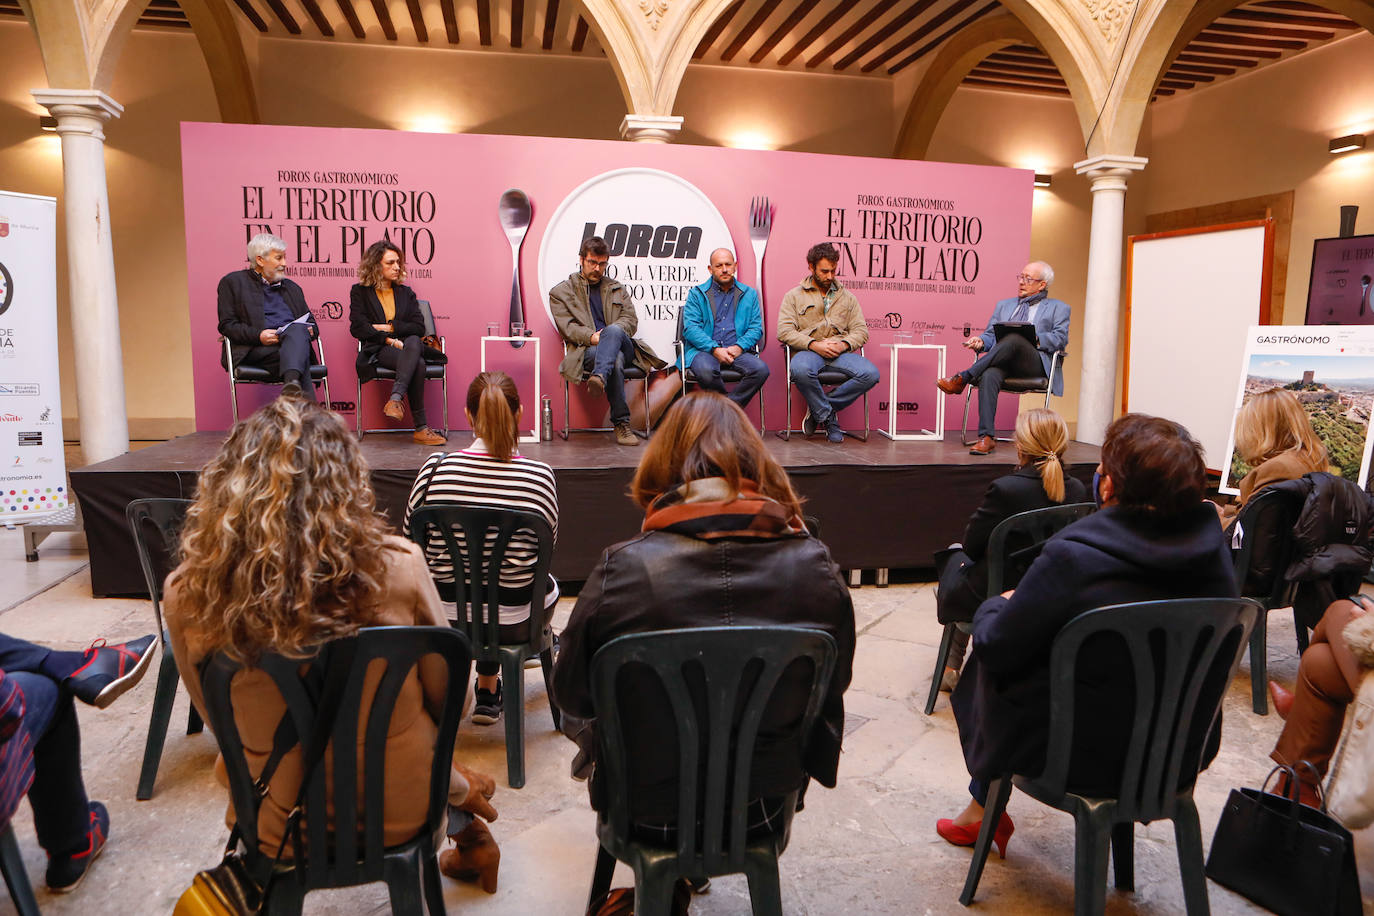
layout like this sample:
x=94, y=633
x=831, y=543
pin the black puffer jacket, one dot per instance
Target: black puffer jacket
x=663, y=580
x=1332, y=540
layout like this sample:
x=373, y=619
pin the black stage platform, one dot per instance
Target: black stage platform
x=881, y=504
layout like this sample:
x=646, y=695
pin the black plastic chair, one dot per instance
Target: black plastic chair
x=1183, y=654
x=1010, y=548
x=156, y=526
x=1036, y=384
x=737, y=669
x=344, y=858
x=631, y=374
x=728, y=374
x=477, y=575
x=829, y=377
x=249, y=374
x=433, y=372
x=16, y=876
x=1270, y=513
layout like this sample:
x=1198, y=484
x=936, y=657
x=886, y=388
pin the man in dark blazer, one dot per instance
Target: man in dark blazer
x=1014, y=356
x=258, y=312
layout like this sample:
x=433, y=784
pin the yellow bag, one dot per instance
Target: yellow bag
x=228, y=889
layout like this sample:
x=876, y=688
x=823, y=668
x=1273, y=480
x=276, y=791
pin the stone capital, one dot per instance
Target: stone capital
x=1109, y=173
x=650, y=128
x=79, y=111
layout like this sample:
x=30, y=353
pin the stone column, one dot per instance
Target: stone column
x=1102, y=305
x=650, y=128
x=81, y=115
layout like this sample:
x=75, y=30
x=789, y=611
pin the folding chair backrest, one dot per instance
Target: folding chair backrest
x=1014, y=540
x=477, y=573
x=427, y=314
x=737, y=669
x=342, y=857
x=1266, y=547
x=156, y=527
x=1182, y=654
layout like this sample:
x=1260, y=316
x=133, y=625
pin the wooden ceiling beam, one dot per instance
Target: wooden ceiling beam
x=1179, y=73
x=1269, y=31
x=550, y=25
x=747, y=32
x=579, y=39
x=1220, y=37
x=1216, y=59
x=849, y=34
x=1013, y=87
x=384, y=19
x=994, y=66
x=982, y=71
x=934, y=42
x=1290, y=5
x=247, y=9
x=819, y=29
x=1339, y=23
x=517, y=23
x=484, y=23
x=1040, y=60
x=716, y=28
x=284, y=16
x=312, y=9
x=901, y=20
x=450, y=21
x=417, y=19
x=351, y=16
x=1176, y=84
x=1200, y=68
x=1222, y=48
x=791, y=22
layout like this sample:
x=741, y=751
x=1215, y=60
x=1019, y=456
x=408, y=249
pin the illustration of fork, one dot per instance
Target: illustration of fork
x=760, y=223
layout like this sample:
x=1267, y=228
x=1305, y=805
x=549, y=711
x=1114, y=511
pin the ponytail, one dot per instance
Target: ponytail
x=493, y=401
x=1051, y=470
x=1042, y=437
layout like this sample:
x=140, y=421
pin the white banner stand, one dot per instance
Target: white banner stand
x=33, y=471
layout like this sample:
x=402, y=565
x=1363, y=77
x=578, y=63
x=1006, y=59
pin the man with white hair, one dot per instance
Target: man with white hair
x=1016, y=355
x=265, y=317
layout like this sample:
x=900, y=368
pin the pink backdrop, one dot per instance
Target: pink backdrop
x=321, y=190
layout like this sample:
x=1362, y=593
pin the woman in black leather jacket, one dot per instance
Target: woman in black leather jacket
x=723, y=544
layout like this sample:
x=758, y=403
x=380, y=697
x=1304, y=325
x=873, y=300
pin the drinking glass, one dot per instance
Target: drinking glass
x=493, y=329
x=517, y=329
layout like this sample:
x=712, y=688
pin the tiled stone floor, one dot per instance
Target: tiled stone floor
x=868, y=846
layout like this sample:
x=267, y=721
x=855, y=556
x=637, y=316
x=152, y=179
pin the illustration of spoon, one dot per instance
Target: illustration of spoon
x=514, y=213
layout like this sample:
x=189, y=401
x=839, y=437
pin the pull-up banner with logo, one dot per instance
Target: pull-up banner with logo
x=927, y=247
x=33, y=474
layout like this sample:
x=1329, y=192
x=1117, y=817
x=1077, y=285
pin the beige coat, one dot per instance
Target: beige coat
x=1283, y=466
x=802, y=317
x=572, y=312
x=408, y=599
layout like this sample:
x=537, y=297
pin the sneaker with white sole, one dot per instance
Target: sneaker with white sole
x=108, y=671
x=486, y=705
x=65, y=872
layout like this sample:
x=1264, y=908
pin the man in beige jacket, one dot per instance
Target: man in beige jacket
x=822, y=322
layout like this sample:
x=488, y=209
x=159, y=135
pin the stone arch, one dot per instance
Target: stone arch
x=222, y=47
x=1168, y=35
x=650, y=51
x=962, y=53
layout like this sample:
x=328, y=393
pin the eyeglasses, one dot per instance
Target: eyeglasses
x=1023, y=278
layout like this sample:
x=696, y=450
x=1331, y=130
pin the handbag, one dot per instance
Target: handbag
x=1350, y=790
x=235, y=887
x=1289, y=858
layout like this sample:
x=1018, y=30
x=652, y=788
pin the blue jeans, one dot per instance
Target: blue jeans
x=753, y=371
x=61, y=811
x=863, y=375
x=607, y=359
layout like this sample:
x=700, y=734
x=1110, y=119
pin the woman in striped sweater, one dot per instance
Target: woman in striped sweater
x=491, y=473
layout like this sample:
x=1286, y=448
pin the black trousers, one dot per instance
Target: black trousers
x=1013, y=356
x=290, y=358
x=409, y=365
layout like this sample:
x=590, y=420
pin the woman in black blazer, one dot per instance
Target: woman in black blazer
x=384, y=314
x=1038, y=482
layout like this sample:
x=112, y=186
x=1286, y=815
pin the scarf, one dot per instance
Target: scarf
x=709, y=509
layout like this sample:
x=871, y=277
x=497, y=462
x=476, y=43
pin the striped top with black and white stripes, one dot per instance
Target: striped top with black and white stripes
x=474, y=477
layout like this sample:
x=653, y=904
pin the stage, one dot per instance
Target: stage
x=880, y=504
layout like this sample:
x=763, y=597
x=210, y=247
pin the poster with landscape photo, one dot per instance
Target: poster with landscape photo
x=1331, y=370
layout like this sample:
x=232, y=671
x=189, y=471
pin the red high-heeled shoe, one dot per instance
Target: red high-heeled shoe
x=967, y=835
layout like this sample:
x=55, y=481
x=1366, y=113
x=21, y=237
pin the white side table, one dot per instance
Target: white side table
x=533, y=434
x=925, y=435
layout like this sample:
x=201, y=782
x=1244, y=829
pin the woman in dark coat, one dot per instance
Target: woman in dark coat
x=1154, y=538
x=1038, y=482
x=385, y=315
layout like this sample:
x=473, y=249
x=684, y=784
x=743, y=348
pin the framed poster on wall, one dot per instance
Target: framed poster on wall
x=1339, y=290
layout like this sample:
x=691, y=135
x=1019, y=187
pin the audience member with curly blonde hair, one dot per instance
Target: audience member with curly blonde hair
x=283, y=550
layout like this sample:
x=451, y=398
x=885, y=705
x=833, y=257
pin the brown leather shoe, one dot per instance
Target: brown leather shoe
x=427, y=436
x=952, y=385
x=624, y=435
x=596, y=385
x=394, y=410
x=475, y=857
x=983, y=446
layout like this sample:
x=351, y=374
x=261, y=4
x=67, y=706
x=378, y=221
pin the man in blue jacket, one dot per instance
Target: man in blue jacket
x=1014, y=356
x=722, y=324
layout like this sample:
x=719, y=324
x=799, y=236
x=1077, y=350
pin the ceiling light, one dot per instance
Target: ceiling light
x=1346, y=144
